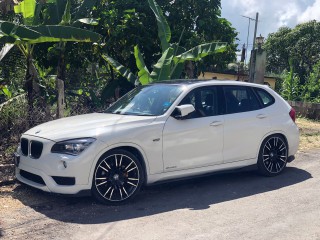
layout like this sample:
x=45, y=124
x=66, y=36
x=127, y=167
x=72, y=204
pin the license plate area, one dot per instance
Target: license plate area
x=16, y=159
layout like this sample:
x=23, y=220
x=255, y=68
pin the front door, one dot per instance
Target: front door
x=198, y=140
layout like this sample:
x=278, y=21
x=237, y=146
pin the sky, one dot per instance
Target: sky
x=272, y=15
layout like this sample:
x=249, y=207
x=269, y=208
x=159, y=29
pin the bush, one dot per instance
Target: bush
x=13, y=121
x=312, y=86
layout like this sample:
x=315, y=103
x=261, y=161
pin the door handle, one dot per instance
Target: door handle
x=261, y=116
x=216, y=123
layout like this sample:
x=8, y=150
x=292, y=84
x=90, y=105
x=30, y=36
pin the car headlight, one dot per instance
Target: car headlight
x=73, y=146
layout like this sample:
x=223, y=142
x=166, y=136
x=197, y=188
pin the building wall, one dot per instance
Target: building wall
x=221, y=76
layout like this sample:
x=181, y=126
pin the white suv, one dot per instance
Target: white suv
x=159, y=132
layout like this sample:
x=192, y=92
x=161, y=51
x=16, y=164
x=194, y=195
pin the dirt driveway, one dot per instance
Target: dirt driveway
x=239, y=205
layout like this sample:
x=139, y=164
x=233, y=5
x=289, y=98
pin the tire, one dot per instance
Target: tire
x=118, y=177
x=273, y=156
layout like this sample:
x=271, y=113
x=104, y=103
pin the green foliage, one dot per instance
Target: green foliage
x=109, y=91
x=300, y=44
x=291, y=84
x=13, y=119
x=5, y=91
x=312, y=86
x=12, y=73
x=123, y=24
x=164, y=31
x=127, y=23
x=169, y=65
x=27, y=9
x=45, y=33
x=119, y=68
x=16, y=32
x=143, y=74
x=66, y=18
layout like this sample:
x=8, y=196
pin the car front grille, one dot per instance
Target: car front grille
x=35, y=150
x=24, y=146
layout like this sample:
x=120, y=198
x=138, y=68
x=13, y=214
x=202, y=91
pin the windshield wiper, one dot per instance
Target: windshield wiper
x=145, y=114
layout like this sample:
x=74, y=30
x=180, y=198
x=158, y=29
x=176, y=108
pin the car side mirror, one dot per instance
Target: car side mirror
x=181, y=112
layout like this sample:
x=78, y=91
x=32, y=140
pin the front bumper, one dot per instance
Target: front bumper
x=57, y=173
x=49, y=185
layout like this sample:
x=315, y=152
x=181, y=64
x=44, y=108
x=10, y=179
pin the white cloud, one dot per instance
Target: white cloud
x=272, y=14
x=279, y=12
x=311, y=13
x=287, y=15
x=249, y=7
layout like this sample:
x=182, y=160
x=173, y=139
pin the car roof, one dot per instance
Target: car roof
x=202, y=82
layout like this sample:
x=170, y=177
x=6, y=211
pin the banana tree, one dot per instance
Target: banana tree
x=78, y=18
x=171, y=63
x=30, y=33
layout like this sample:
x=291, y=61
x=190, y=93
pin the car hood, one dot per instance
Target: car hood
x=87, y=125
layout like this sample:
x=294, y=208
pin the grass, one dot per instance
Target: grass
x=309, y=134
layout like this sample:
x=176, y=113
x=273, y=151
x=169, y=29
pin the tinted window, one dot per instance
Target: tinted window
x=265, y=97
x=204, y=100
x=240, y=99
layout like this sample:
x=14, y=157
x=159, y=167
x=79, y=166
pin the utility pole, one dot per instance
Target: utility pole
x=253, y=52
x=255, y=31
x=247, y=46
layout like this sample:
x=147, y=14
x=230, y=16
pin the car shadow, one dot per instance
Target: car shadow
x=193, y=194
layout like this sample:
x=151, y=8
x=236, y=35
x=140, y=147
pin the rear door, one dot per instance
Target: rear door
x=246, y=122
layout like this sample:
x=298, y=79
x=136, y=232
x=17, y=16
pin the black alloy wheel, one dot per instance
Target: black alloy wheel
x=118, y=177
x=273, y=156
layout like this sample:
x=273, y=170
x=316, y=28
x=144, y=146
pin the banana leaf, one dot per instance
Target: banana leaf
x=162, y=70
x=125, y=72
x=66, y=18
x=143, y=74
x=177, y=70
x=164, y=31
x=17, y=31
x=27, y=9
x=57, y=33
x=201, y=51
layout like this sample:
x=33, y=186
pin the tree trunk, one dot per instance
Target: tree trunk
x=32, y=86
x=61, y=76
x=189, y=69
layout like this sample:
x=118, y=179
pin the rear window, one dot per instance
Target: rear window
x=240, y=99
x=265, y=97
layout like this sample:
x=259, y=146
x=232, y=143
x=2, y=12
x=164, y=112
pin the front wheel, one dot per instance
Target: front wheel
x=118, y=177
x=273, y=156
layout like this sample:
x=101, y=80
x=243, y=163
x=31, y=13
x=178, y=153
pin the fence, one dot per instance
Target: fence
x=15, y=118
x=305, y=109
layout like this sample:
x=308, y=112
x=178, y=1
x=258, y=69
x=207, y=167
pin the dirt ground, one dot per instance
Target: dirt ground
x=241, y=205
x=309, y=134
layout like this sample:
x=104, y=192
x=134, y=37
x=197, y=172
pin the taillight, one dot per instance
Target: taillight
x=292, y=114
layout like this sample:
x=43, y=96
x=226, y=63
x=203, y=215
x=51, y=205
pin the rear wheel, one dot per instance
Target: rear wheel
x=118, y=177
x=273, y=156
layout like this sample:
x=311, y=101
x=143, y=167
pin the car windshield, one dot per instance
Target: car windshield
x=150, y=100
